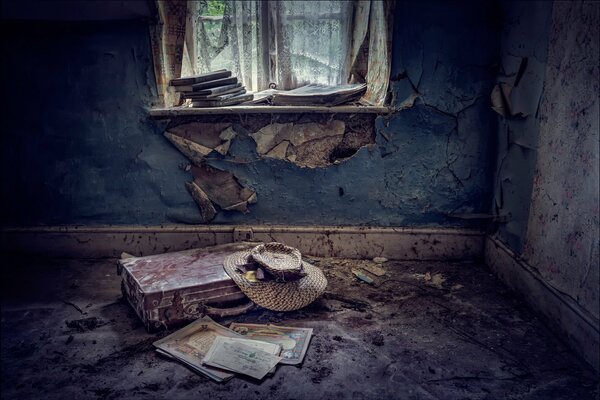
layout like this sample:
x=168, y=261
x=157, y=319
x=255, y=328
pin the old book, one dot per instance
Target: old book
x=264, y=96
x=182, y=89
x=221, y=97
x=222, y=103
x=208, y=76
x=294, y=341
x=214, y=91
x=170, y=289
x=212, y=84
x=191, y=344
x=316, y=94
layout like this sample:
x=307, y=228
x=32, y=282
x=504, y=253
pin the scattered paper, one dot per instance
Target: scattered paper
x=271, y=348
x=190, y=345
x=243, y=356
x=293, y=341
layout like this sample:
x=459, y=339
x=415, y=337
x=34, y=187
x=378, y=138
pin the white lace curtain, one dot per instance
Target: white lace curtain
x=287, y=44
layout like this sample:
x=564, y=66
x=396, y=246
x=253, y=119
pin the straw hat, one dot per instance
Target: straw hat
x=289, y=283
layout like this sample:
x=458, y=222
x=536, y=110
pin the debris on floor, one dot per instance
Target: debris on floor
x=374, y=269
x=379, y=260
x=364, y=278
x=85, y=324
x=436, y=279
x=404, y=336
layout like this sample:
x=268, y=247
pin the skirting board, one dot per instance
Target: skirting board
x=320, y=241
x=580, y=329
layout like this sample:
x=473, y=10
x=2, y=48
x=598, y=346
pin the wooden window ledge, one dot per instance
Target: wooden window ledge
x=265, y=109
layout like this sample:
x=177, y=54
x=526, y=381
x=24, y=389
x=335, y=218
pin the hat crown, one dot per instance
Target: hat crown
x=281, y=261
x=282, y=293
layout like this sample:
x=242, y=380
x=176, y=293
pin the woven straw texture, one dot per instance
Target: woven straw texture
x=273, y=295
x=281, y=261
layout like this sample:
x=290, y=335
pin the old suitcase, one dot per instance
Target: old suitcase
x=167, y=290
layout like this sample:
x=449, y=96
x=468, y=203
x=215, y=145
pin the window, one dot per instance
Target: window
x=283, y=43
x=286, y=43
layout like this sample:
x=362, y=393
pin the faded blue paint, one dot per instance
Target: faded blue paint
x=77, y=144
x=91, y=156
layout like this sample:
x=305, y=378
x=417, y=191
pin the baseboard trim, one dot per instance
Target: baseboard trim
x=339, y=241
x=579, y=328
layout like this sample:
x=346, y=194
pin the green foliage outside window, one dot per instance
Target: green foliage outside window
x=215, y=7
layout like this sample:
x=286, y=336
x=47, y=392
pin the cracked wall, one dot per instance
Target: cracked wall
x=91, y=156
x=431, y=160
x=547, y=177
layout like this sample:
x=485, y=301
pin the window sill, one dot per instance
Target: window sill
x=264, y=109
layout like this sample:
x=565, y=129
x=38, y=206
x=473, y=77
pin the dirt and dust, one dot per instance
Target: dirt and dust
x=422, y=330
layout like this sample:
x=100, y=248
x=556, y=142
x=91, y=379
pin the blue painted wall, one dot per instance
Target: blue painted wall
x=78, y=147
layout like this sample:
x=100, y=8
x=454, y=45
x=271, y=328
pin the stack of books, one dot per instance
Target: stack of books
x=212, y=89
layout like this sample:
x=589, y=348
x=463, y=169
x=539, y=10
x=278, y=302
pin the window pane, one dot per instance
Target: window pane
x=226, y=38
x=312, y=37
x=317, y=39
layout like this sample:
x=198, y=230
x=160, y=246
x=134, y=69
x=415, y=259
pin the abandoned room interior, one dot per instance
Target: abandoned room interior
x=361, y=199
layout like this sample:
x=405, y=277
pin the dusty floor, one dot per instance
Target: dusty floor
x=427, y=330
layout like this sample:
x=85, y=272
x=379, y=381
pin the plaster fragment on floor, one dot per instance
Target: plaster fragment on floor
x=374, y=269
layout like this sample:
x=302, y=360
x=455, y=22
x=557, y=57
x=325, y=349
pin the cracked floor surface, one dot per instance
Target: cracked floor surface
x=425, y=330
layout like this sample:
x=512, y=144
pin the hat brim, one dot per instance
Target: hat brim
x=273, y=295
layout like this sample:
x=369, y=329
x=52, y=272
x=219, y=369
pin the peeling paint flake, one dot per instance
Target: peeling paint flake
x=223, y=188
x=307, y=145
x=206, y=207
x=197, y=140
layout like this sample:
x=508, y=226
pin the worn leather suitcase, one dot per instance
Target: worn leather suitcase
x=168, y=290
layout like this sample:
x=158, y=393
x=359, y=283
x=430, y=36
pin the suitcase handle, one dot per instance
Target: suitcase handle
x=228, y=312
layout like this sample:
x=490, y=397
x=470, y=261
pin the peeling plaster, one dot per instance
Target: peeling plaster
x=307, y=145
x=525, y=36
x=431, y=158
